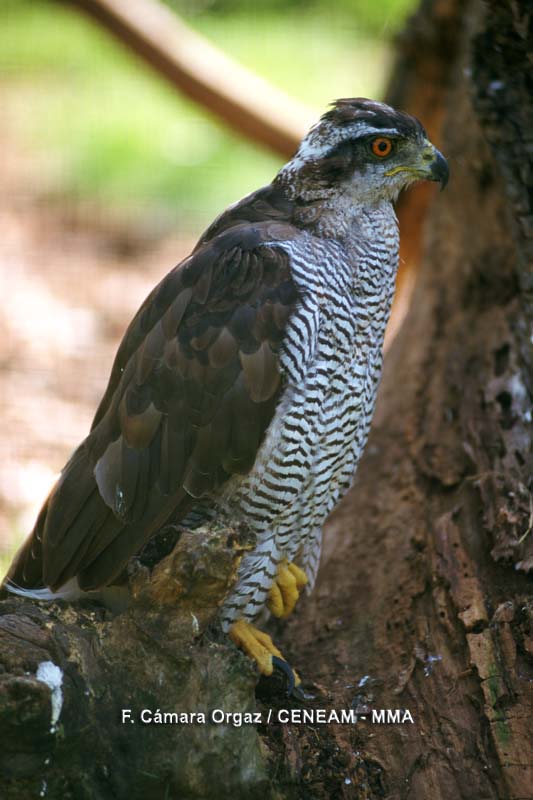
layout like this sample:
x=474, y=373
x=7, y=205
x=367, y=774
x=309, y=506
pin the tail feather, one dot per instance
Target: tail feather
x=65, y=505
x=77, y=536
x=65, y=530
x=63, y=560
x=26, y=569
x=116, y=598
x=69, y=591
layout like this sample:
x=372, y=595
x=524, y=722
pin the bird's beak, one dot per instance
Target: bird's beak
x=434, y=165
x=428, y=165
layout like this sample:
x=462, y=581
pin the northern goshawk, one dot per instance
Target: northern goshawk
x=245, y=385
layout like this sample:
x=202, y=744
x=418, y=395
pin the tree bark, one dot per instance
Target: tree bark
x=429, y=553
x=423, y=603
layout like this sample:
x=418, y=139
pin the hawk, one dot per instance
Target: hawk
x=245, y=384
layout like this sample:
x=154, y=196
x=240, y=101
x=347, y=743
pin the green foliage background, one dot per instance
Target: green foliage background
x=102, y=129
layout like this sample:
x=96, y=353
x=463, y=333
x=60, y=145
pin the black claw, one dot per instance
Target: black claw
x=282, y=665
x=299, y=694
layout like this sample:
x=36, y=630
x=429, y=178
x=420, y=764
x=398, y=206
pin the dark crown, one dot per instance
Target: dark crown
x=346, y=111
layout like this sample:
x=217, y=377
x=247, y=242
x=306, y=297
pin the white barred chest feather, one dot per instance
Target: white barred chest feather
x=331, y=360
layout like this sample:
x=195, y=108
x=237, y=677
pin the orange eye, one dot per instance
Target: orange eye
x=381, y=147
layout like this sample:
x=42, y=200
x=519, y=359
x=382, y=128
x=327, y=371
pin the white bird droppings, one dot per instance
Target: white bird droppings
x=195, y=625
x=52, y=675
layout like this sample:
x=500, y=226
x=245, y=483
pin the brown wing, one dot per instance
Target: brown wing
x=193, y=388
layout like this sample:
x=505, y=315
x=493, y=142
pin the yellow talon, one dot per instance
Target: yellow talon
x=258, y=646
x=299, y=574
x=285, y=590
x=275, y=601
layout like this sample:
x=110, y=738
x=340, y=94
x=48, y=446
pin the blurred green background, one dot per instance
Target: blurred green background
x=103, y=128
x=108, y=176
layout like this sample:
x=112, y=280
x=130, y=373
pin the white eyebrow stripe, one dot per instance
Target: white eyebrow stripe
x=316, y=145
x=310, y=148
x=366, y=130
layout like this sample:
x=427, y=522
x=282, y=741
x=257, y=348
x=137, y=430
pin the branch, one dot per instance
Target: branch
x=247, y=103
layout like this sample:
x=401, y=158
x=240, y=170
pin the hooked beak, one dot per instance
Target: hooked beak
x=429, y=165
x=435, y=165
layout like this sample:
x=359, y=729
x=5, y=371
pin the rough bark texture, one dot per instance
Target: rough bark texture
x=165, y=653
x=423, y=601
x=428, y=554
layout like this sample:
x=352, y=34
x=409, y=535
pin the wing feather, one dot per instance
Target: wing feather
x=193, y=388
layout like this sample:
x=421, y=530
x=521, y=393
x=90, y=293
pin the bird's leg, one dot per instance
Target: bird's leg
x=285, y=590
x=260, y=647
x=281, y=601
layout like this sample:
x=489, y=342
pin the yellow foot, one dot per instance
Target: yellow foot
x=260, y=647
x=285, y=590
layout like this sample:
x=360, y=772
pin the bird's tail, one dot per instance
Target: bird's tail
x=69, y=591
x=25, y=572
x=25, y=575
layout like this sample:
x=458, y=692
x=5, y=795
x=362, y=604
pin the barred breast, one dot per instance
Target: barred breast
x=331, y=361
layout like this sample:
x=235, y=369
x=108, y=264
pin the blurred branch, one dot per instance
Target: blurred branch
x=246, y=102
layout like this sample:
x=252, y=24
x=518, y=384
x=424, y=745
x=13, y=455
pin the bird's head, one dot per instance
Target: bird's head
x=365, y=150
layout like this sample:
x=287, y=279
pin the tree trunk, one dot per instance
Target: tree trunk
x=423, y=603
x=422, y=586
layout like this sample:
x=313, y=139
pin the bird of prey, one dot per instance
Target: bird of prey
x=245, y=385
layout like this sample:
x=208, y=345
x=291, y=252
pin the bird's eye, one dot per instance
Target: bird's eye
x=381, y=147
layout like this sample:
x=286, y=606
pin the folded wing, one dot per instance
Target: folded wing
x=192, y=391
